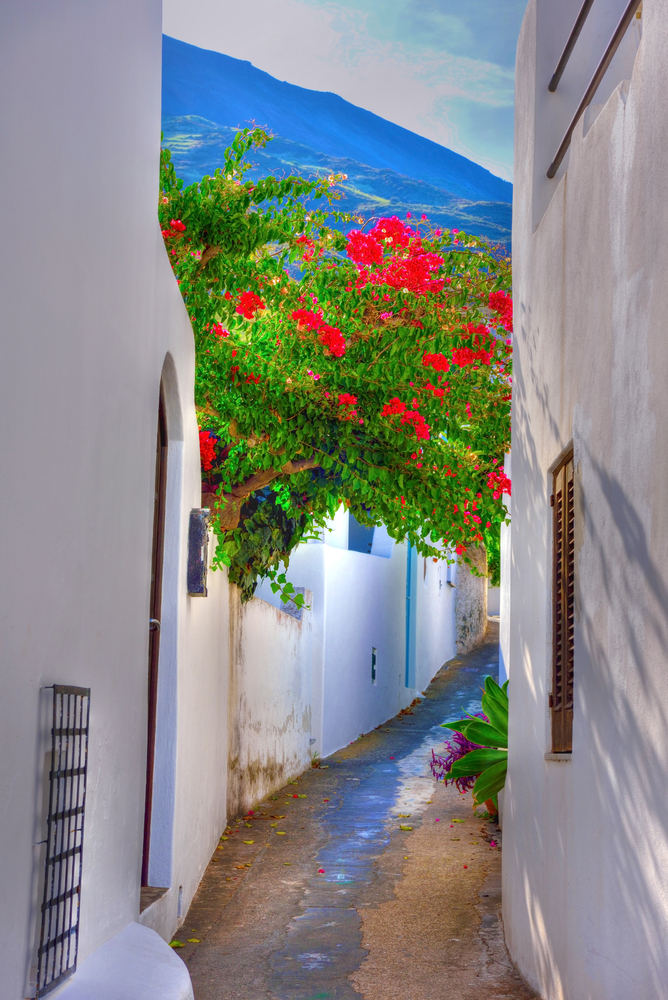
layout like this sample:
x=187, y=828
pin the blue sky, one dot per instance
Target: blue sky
x=441, y=68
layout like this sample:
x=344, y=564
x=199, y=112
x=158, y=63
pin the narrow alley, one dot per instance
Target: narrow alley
x=363, y=877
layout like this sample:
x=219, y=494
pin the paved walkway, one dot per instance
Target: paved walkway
x=321, y=895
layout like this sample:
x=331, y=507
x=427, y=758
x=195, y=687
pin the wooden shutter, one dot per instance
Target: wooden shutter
x=563, y=586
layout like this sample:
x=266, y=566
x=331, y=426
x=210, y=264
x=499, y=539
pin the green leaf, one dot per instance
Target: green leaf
x=486, y=735
x=491, y=781
x=476, y=761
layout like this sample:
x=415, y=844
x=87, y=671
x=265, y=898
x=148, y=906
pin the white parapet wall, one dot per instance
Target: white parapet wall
x=271, y=699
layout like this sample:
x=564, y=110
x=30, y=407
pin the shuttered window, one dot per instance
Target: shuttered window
x=561, y=699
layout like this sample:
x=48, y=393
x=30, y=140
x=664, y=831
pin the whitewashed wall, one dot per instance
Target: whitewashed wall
x=91, y=317
x=271, y=700
x=357, y=603
x=586, y=843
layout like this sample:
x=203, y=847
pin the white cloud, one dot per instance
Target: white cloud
x=324, y=46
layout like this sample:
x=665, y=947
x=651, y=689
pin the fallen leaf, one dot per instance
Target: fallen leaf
x=459, y=821
x=302, y=796
x=405, y=827
x=240, y=866
x=287, y=862
x=405, y=815
x=274, y=824
x=193, y=940
x=429, y=801
x=224, y=838
x=249, y=841
x=455, y=838
x=280, y=833
x=176, y=944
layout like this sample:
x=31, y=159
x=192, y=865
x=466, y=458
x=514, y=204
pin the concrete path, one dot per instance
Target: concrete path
x=321, y=895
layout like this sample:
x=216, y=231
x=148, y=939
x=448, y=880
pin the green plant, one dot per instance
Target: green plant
x=366, y=366
x=489, y=762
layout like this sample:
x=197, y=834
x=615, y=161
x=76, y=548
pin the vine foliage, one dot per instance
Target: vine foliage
x=338, y=361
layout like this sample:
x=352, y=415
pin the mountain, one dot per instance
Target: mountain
x=198, y=145
x=391, y=170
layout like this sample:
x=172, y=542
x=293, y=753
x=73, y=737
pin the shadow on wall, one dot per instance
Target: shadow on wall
x=471, y=602
x=604, y=825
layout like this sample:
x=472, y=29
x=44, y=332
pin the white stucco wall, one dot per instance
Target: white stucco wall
x=585, y=841
x=270, y=700
x=357, y=603
x=89, y=312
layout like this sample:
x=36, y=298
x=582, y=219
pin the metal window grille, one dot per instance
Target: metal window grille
x=59, y=934
x=561, y=699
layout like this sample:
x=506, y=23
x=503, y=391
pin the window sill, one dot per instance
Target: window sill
x=558, y=756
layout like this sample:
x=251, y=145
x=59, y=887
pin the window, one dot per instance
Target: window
x=59, y=931
x=360, y=537
x=563, y=586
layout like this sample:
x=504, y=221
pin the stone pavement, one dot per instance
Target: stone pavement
x=363, y=878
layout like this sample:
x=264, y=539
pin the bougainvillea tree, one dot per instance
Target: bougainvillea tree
x=338, y=362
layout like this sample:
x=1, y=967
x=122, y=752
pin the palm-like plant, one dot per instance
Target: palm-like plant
x=488, y=763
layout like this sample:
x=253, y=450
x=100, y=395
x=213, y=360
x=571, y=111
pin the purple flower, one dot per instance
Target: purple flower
x=456, y=747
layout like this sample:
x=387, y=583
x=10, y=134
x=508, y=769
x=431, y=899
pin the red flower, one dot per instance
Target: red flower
x=207, y=449
x=220, y=330
x=499, y=483
x=177, y=225
x=420, y=425
x=437, y=361
x=248, y=304
x=364, y=248
x=345, y=399
x=502, y=304
x=309, y=245
x=465, y=356
x=333, y=339
x=394, y=406
x=329, y=336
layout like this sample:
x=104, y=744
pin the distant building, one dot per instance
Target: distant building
x=585, y=813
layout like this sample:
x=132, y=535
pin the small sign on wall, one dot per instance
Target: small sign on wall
x=198, y=551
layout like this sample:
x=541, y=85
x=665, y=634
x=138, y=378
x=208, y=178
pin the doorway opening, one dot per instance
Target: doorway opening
x=155, y=613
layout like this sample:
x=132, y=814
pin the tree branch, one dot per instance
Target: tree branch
x=228, y=505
